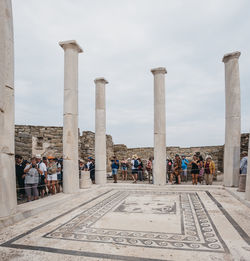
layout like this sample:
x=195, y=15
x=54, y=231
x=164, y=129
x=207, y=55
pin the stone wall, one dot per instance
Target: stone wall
x=87, y=146
x=244, y=142
x=32, y=140
x=121, y=151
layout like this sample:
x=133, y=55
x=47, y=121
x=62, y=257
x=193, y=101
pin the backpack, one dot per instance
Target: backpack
x=136, y=163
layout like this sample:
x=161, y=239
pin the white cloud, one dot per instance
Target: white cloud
x=122, y=41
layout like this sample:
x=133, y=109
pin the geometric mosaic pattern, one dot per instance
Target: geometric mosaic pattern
x=196, y=230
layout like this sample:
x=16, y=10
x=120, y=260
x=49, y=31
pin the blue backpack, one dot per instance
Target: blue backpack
x=136, y=163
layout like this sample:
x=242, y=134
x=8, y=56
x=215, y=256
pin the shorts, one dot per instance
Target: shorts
x=59, y=176
x=195, y=171
x=52, y=177
x=184, y=172
x=114, y=171
x=134, y=171
x=33, y=188
x=124, y=168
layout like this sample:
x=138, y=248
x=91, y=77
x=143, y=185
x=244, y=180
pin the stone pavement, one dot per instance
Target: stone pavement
x=134, y=222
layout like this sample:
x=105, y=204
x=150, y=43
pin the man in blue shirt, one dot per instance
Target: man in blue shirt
x=115, y=167
x=184, y=164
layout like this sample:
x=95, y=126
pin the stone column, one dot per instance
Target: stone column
x=100, y=131
x=70, y=117
x=159, y=166
x=233, y=120
x=247, y=193
x=8, y=199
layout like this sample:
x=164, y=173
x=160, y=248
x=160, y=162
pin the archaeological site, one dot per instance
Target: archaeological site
x=68, y=193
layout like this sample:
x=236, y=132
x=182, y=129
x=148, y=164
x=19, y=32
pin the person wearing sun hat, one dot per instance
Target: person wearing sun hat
x=43, y=177
x=209, y=169
x=134, y=164
x=52, y=174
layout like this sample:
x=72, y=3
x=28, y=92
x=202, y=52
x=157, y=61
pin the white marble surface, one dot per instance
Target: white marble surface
x=159, y=167
x=100, y=131
x=233, y=120
x=133, y=222
x=70, y=117
x=7, y=162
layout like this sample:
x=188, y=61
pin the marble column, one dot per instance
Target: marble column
x=8, y=199
x=70, y=117
x=232, y=120
x=100, y=131
x=247, y=193
x=159, y=166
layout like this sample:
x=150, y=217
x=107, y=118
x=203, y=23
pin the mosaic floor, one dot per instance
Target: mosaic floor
x=141, y=224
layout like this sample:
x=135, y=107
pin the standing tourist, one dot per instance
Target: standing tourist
x=124, y=167
x=91, y=169
x=209, y=169
x=89, y=162
x=51, y=175
x=176, y=170
x=243, y=163
x=31, y=179
x=43, y=177
x=19, y=176
x=59, y=176
x=201, y=169
x=195, y=169
x=149, y=168
x=134, y=165
x=169, y=168
x=140, y=170
x=115, y=167
x=184, y=165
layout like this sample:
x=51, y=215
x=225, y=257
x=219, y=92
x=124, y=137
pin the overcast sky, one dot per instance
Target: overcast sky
x=122, y=41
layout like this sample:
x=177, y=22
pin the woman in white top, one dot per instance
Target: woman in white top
x=51, y=174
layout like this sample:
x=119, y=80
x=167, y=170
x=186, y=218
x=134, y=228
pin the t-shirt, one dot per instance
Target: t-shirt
x=58, y=166
x=88, y=164
x=42, y=167
x=243, y=165
x=32, y=176
x=115, y=164
x=184, y=163
x=19, y=171
x=133, y=164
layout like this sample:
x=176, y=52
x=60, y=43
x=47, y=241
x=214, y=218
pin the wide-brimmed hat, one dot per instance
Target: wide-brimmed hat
x=134, y=156
x=50, y=157
x=208, y=157
x=38, y=156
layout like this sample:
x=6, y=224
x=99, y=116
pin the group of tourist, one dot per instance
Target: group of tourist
x=136, y=165
x=176, y=169
x=201, y=170
x=44, y=175
x=38, y=177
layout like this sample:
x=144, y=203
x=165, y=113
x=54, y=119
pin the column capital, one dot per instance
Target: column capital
x=71, y=44
x=230, y=56
x=159, y=70
x=101, y=79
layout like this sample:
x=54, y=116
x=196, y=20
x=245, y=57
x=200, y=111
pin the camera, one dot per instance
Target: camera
x=33, y=166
